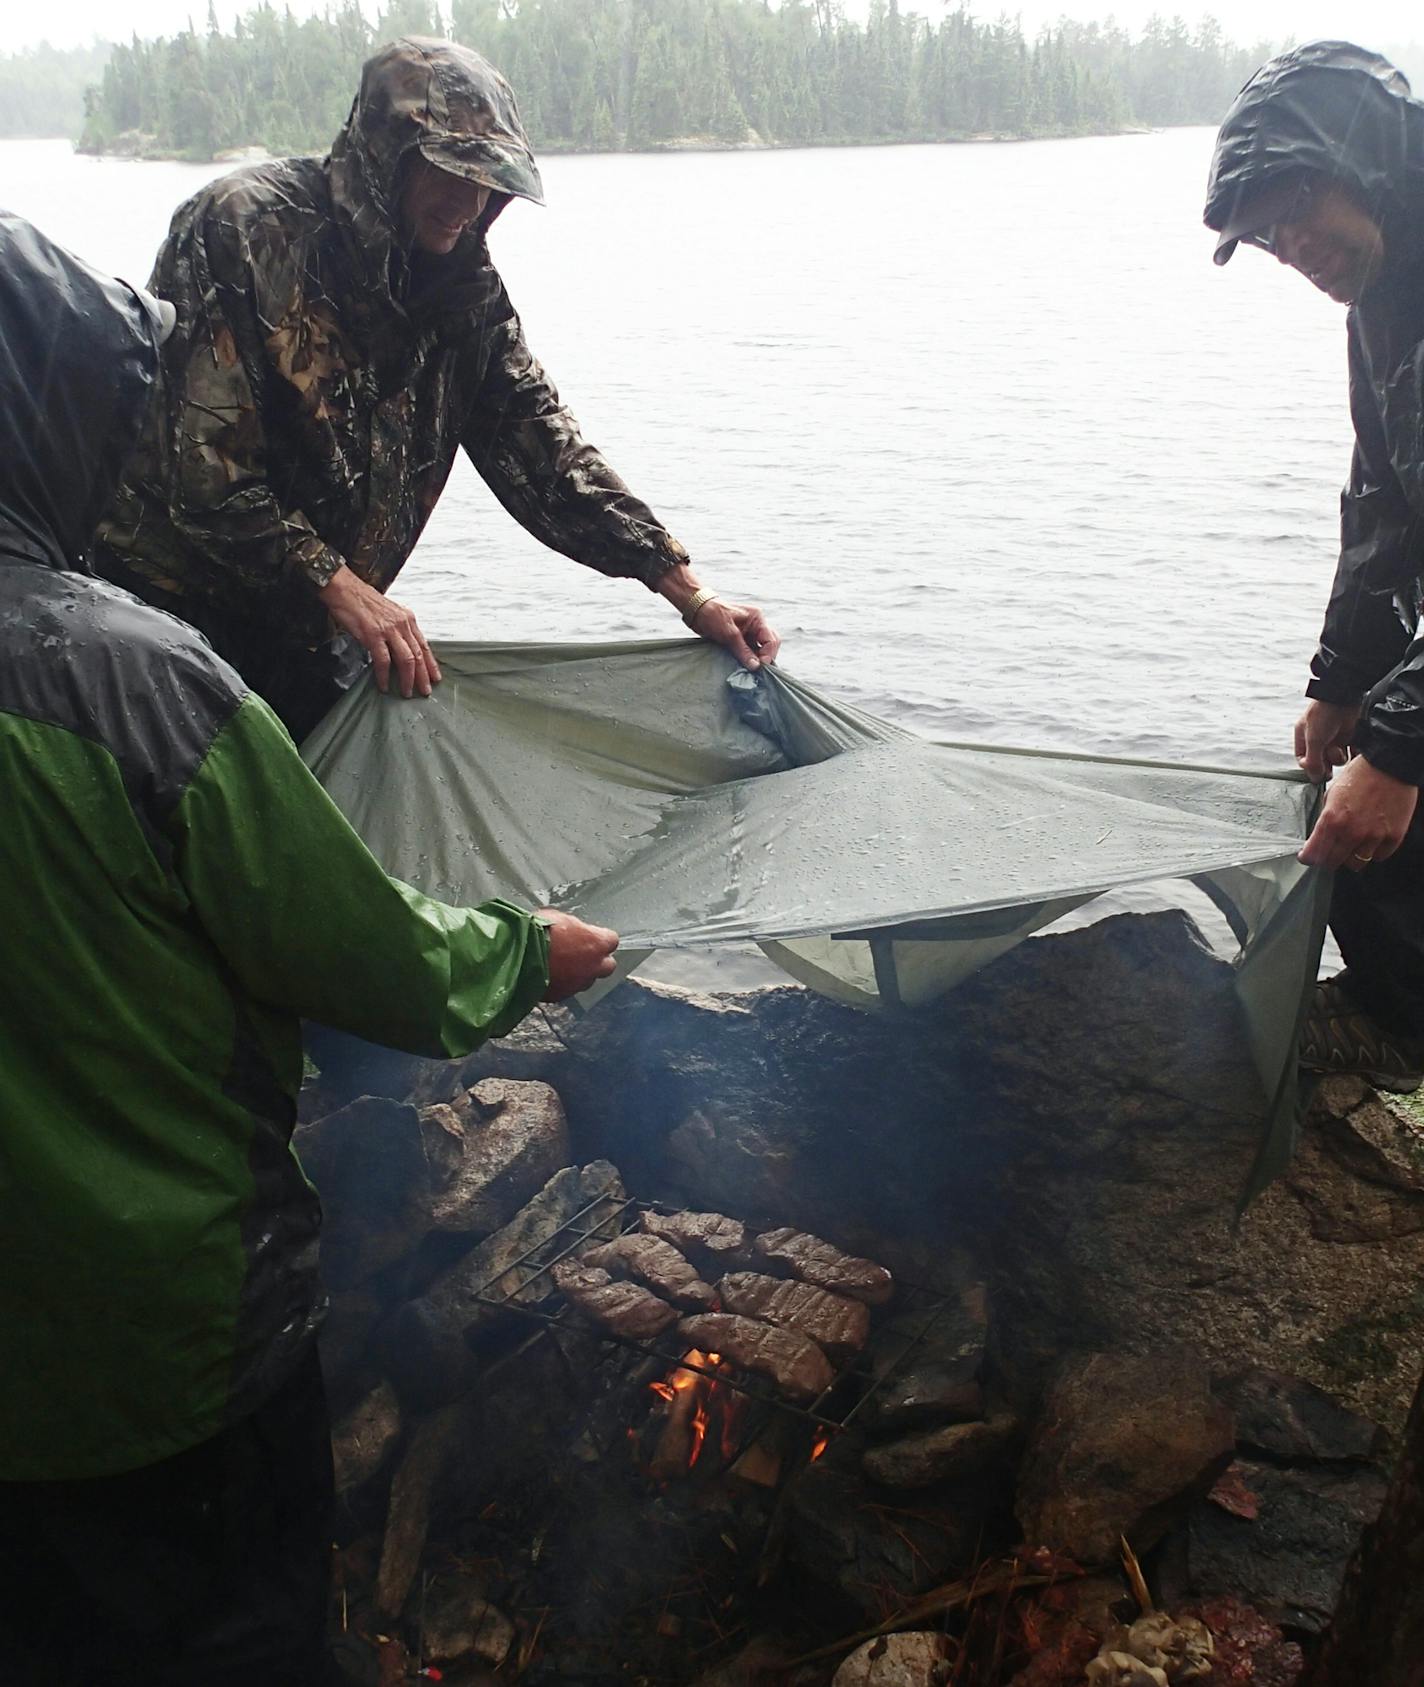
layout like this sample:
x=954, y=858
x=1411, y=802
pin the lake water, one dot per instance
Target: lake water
x=1003, y=454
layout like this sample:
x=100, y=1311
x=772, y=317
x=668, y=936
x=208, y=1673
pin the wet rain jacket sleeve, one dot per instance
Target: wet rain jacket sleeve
x=528, y=449
x=308, y=921
x=237, y=284
x=1365, y=643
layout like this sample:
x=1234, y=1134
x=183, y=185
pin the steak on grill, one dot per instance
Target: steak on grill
x=794, y=1363
x=709, y=1234
x=627, y=1309
x=818, y=1262
x=838, y=1325
x=658, y=1264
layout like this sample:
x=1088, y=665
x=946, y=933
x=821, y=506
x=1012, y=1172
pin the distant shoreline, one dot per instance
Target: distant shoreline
x=143, y=154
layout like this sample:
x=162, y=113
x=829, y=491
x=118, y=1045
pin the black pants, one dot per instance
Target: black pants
x=1377, y=917
x=209, y=1569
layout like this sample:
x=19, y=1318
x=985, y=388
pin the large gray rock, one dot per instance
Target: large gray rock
x=508, y=1139
x=1122, y=1445
x=1280, y=1527
x=1288, y=1560
x=1114, y=1121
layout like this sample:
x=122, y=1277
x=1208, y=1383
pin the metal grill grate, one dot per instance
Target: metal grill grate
x=916, y=1311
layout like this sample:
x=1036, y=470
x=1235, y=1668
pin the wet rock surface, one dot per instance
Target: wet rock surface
x=1289, y=1559
x=511, y=1138
x=1279, y=1530
x=1120, y=1444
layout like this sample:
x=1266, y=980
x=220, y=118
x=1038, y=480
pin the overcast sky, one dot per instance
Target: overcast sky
x=1371, y=22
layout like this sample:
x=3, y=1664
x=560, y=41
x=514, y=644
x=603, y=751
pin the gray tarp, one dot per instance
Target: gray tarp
x=658, y=789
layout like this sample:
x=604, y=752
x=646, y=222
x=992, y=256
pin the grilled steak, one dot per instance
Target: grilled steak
x=708, y=1234
x=627, y=1309
x=834, y=1323
x=658, y=1264
x=815, y=1261
x=795, y=1364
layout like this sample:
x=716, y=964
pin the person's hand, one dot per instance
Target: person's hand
x=388, y=630
x=1364, y=818
x=1322, y=737
x=741, y=627
x=578, y=953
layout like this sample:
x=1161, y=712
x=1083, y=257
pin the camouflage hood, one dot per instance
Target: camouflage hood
x=449, y=105
x=1332, y=109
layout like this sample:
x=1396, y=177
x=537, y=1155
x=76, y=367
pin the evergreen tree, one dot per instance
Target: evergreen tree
x=646, y=73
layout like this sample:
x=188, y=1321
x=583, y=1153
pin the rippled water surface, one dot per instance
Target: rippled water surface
x=1001, y=451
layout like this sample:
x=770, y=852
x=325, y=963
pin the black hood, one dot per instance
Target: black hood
x=78, y=358
x=1333, y=109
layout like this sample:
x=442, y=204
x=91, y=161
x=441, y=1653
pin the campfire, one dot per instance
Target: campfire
x=588, y=1433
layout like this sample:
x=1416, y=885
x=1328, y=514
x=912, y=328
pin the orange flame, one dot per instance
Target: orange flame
x=704, y=1399
x=823, y=1440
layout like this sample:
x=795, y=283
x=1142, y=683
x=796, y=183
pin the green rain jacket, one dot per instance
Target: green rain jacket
x=322, y=378
x=176, y=889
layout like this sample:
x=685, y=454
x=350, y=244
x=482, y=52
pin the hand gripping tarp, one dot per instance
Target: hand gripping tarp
x=661, y=790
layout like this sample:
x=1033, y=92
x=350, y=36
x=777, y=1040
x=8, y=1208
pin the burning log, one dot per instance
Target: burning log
x=816, y=1261
x=426, y=1346
x=685, y=1421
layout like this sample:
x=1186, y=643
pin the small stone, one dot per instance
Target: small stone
x=460, y=1623
x=897, y=1660
x=364, y=1437
x=939, y=1455
x=931, y=1393
x=1290, y=1419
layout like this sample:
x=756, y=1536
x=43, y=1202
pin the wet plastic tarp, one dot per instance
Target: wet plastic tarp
x=659, y=789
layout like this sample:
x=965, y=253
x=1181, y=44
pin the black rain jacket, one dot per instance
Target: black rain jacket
x=1340, y=111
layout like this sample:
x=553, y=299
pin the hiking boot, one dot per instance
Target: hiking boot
x=1339, y=1038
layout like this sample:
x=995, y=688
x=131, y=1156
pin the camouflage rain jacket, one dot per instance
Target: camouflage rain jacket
x=322, y=378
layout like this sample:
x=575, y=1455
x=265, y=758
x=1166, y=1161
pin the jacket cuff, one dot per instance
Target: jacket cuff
x=316, y=560
x=1402, y=759
x=669, y=555
x=1335, y=689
